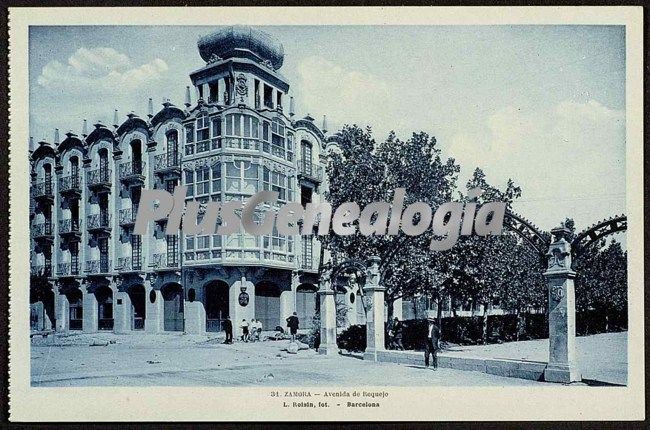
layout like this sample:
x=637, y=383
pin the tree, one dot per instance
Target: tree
x=365, y=171
x=601, y=277
x=481, y=265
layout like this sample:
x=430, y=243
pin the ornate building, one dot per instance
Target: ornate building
x=239, y=137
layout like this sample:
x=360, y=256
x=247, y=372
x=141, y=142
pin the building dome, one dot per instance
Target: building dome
x=225, y=43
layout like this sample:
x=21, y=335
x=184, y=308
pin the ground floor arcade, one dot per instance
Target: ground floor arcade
x=194, y=301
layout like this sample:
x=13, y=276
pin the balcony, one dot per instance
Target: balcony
x=132, y=171
x=310, y=171
x=127, y=216
x=129, y=264
x=43, y=191
x=98, y=223
x=240, y=143
x=67, y=269
x=98, y=267
x=169, y=162
x=43, y=231
x=70, y=185
x=42, y=269
x=165, y=262
x=70, y=227
x=99, y=179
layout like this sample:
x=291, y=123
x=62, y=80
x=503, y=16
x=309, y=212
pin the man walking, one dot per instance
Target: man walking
x=432, y=344
x=397, y=334
x=293, y=323
x=227, y=326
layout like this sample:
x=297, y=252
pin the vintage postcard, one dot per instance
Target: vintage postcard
x=296, y=214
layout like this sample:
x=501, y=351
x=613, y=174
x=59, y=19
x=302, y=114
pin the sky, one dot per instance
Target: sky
x=543, y=105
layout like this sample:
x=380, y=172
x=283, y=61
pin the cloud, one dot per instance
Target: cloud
x=569, y=159
x=98, y=70
x=344, y=95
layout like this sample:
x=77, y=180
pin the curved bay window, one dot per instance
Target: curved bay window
x=276, y=181
x=241, y=131
x=202, y=133
x=189, y=139
x=241, y=177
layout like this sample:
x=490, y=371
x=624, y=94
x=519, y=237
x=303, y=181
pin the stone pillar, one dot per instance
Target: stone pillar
x=62, y=311
x=562, y=362
x=90, y=311
x=154, y=309
x=220, y=90
x=287, y=308
x=375, y=317
x=194, y=317
x=122, y=312
x=326, y=299
x=239, y=312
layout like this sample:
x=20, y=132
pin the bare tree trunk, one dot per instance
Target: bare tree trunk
x=485, y=322
x=439, y=316
x=390, y=307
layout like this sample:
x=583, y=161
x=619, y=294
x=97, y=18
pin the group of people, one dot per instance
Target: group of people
x=252, y=331
x=431, y=342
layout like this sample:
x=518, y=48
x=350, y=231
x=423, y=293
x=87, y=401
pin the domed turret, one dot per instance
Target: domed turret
x=241, y=41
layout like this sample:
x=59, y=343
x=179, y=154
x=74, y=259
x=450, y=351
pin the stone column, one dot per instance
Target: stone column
x=375, y=316
x=62, y=311
x=562, y=362
x=122, y=312
x=90, y=311
x=194, y=317
x=326, y=299
x=154, y=309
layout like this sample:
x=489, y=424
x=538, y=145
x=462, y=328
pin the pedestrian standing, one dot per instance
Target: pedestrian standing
x=227, y=326
x=432, y=344
x=259, y=330
x=398, y=328
x=244, y=329
x=293, y=323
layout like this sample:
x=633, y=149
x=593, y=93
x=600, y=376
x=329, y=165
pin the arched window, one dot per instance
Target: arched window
x=172, y=147
x=47, y=176
x=103, y=165
x=306, y=154
x=136, y=156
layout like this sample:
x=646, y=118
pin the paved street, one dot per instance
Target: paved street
x=180, y=360
x=188, y=361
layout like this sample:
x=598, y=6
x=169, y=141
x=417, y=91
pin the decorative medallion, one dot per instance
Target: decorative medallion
x=557, y=293
x=243, y=299
x=241, y=87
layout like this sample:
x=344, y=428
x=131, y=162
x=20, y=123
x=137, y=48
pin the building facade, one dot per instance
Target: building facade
x=238, y=137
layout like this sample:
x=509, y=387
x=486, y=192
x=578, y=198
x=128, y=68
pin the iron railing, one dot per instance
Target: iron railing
x=138, y=323
x=129, y=264
x=94, y=267
x=69, y=226
x=70, y=183
x=43, y=189
x=131, y=169
x=98, y=177
x=67, y=269
x=42, y=229
x=165, y=261
x=310, y=170
x=42, y=270
x=101, y=220
x=127, y=216
x=169, y=160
